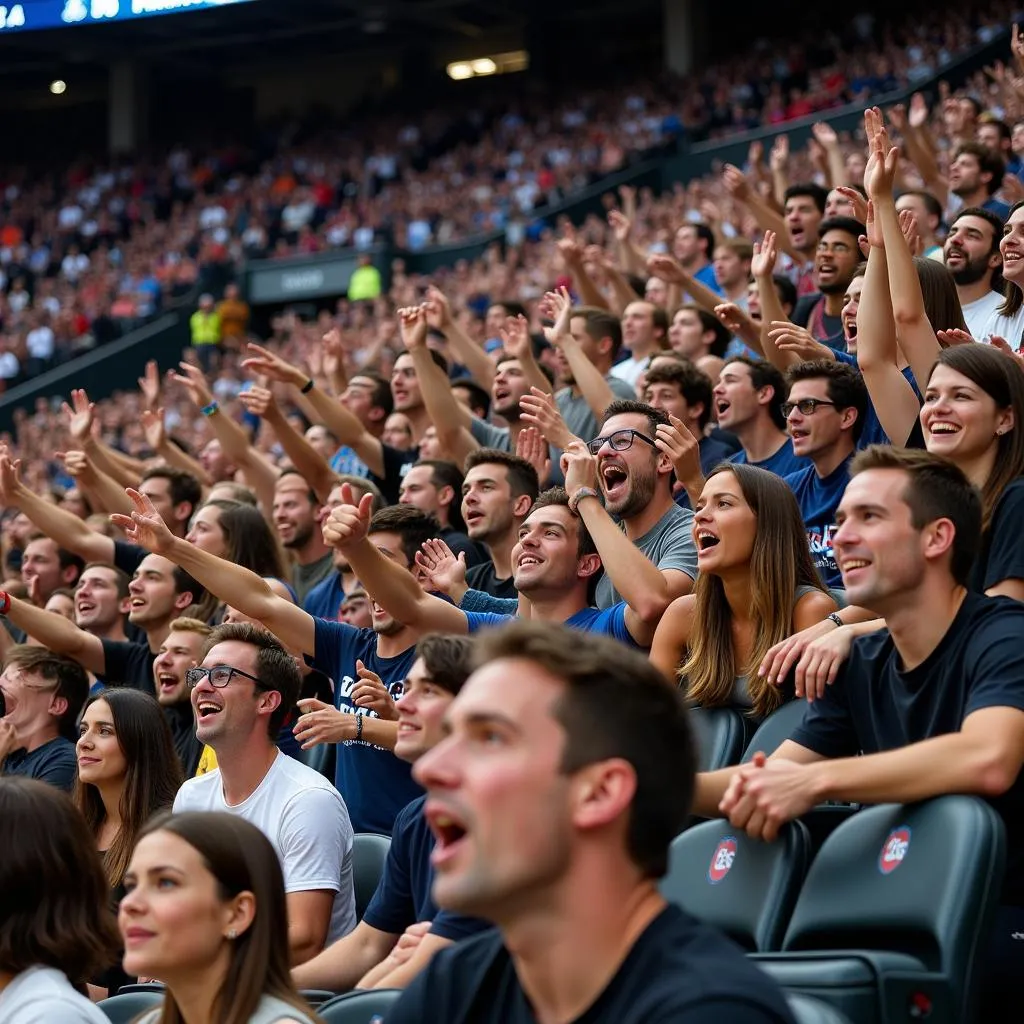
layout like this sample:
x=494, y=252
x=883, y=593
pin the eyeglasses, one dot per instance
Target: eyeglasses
x=220, y=676
x=805, y=405
x=620, y=441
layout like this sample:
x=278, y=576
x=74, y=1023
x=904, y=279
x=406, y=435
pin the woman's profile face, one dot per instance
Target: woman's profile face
x=99, y=753
x=206, y=533
x=724, y=525
x=172, y=918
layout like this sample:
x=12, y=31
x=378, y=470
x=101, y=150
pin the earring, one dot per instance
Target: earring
x=232, y=934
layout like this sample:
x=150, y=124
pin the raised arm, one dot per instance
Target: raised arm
x=233, y=584
x=395, y=589
x=64, y=527
x=58, y=634
x=671, y=271
x=103, y=491
x=516, y=340
x=767, y=218
x=467, y=351
x=157, y=439
x=81, y=423
x=589, y=293
x=825, y=136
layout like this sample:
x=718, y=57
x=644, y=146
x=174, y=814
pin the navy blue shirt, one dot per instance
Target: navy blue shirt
x=609, y=621
x=324, y=600
x=1002, y=554
x=818, y=498
x=782, y=463
x=374, y=783
x=872, y=432
x=403, y=894
x=714, y=450
x=54, y=762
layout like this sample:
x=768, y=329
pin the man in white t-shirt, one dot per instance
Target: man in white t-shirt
x=971, y=255
x=244, y=690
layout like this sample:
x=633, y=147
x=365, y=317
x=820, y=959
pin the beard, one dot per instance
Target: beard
x=972, y=271
x=638, y=495
x=303, y=535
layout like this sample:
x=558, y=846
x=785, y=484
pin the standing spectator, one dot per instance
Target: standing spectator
x=365, y=283
x=234, y=317
x=206, y=332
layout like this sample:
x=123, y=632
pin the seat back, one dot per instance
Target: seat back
x=721, y=733
x=359, y=1007
x=775, y=729
x=369, y=852
x=121, y=1009
x=316, y=757
x=744, y=887
x=806, y=1010
x=919, y=879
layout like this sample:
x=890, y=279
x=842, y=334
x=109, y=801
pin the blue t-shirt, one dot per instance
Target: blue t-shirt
x=872, y=432
x=402, y=896
x=374, y=783
x=608, y=621
x=706, y=276
x=54, y=762
x=324, y=600
x=346, y=461
x=818, y=498
x=782, y=463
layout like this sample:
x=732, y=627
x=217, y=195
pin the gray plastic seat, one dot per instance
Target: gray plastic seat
x=806, y=1010
x=369, y=852
x=359, y=1007
x=721, y=735
x=121, y=1009
x=775, y=729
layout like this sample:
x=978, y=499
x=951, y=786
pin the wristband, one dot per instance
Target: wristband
x=359, y=720
x=583, y=492
x=308, y=386
x=5, y=602
x=834, y=617
x=209, y=410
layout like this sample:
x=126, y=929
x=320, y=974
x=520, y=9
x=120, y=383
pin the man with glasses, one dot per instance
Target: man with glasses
x=246, y=686
x=650, y=536
x=824, y=413
x=43, y=694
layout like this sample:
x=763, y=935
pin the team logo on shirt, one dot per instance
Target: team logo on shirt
x=894, y=850
x=722, y=859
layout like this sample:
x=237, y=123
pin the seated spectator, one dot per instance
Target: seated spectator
x=369, y=956
x=127, y=771
x=757, y=585
x=242, y=692
x=50, y=872
x=181, y=650
x=43, y=694
x=217, y=936
x=516, y=835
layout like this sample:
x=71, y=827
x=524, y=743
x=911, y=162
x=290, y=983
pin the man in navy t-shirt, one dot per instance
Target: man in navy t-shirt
x=369, y=956
x=553, y=564
x=824, y=413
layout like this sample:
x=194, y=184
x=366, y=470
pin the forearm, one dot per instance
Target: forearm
x=770, y=220
x=622, y=291
x=64, y=527
x=700, y=293
x=106, y=494
x=470, y=354
x=399, y=976
x=595, y=389
x=305, y=458
x=780, y=182
x=771, y=310
x=124, y=474
x=709, y=790
x=174, y=456
x=533, y=373
x=395, y=589
x=447, y=414
x=348, y=430
x=380, y=732
x=58, y=634
x=339, y=967
x=589, y=293
x=303, y=945
x=836, y=165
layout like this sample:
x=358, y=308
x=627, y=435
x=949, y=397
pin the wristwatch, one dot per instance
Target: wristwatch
x=583, y=492
x=834, y=617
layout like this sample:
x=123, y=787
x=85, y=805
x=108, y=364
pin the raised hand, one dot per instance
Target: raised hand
x=883, y=157
x=370, y=692
x=666, y=268
x=412, y=321
x=778, y=158
x=766, y=253
x=1017, y=46
x=149, y=385
x=445, y=572
x=755, y=154
x=78, y=465
x=349, y=523
x=539, y=409
x=269, y=364
x=918, y=116
x=958, y=337
x=515, y=337
x=856, y=200
x=1004, y=346
x=558, y=306
x=439, y=309
x=621, y=225
x=578, y=466
x=570, y=250
x=730, y=315
x=80, y=418
x=897, y=115
x=736, y=183
x=825, y=134
x=144, y=526
x=530, y=445
x=258, y=400
x=676, y=440
x=194, y=382
x=790, y=338
x=153, y=427
x=10, y=478
x=908, y=225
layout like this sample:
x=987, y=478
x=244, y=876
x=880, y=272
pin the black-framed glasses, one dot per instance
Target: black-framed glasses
x=219, y=676
x=619, y=441
x=805, y=405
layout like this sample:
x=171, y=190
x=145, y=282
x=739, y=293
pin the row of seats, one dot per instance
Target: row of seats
x=727, y=736
x=886, y=923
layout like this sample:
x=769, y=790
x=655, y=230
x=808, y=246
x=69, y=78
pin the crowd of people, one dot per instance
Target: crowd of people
x=761, y=438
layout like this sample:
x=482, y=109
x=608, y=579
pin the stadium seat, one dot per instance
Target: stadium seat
x=744, y=887
x=317, y=757
x=359, y=1007
x=317, y=996
x=721, y=735
x=369, y=852
x=806, y=1010
x=142, y=986
x=894, y=910
x=776, y=728
x=121, y=1009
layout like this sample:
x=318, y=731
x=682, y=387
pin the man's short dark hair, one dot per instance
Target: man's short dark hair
x=706, y=235
x=411, y=524
x=1005, y=133
x=479, y=400
x=292, y=471
x=846, y=388
x=65, y=559
x=710, y=322
x=444, y=473
x=988, y=163
x=694, y=385
x=121, y=578
x=72, y=681
x=559, y=496
x=185, y=583
x=809, y=189
x=631, y=407
x=936, y=490
x=522, y=476
x=992, y=219
x=275, y=667
x=448, y=659
x=599, y=323
x=380, y=397
x=182, y=486
x=931, y=204
x=511, y=307
x=763, y=375
x=849, y=225
x=650, y=728
x=785, y=289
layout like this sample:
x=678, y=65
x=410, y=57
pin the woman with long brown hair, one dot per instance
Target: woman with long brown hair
x=127, y=771
x=205, y=912
x=757, y=585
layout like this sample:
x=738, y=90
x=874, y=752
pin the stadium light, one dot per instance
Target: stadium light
x=497, y=64
x=58, y=87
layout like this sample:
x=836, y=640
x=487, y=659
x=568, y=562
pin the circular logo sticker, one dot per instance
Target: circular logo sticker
x=722, y=859
x=894, y=850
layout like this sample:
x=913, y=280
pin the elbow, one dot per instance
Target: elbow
x=651, y=609
x=907, y=317
x=995, y=773
x=303, y=945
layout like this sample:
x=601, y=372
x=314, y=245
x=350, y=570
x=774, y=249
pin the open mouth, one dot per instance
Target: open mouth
x=944, y=427
x=613, y=476
x=167, y=681
x=449, y=834
x=206, y=709
x=137, y=602
x=722, y=407
x=706, y=539
x=850, y=329
x=528, y=560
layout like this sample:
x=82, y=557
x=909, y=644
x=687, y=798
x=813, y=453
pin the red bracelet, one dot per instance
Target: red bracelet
x=5, y=602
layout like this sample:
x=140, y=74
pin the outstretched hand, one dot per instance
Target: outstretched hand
x=144, y=526
x=80, y=418
x=445, y=572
